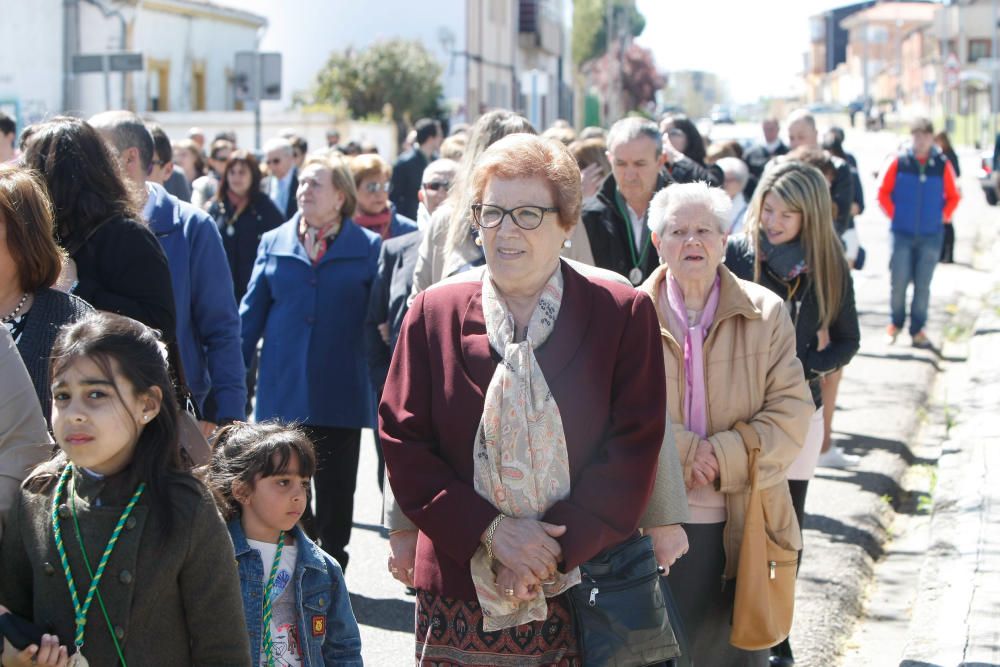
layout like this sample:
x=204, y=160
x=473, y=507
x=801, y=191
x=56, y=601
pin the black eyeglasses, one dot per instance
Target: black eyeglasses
x=436, y=185
x=374, y=187
x=525, y=217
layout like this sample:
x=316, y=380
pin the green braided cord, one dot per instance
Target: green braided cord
x=268, y=641
x=57, y=533
x=90, y=573
x=81, y=611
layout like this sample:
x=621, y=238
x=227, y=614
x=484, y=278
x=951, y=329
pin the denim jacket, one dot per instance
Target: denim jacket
x=327, y=630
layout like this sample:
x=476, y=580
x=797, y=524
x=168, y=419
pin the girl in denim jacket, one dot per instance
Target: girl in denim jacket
x=296, y=602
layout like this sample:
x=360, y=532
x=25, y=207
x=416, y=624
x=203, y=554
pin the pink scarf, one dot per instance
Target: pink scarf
x=695, y=399
x=316, y=240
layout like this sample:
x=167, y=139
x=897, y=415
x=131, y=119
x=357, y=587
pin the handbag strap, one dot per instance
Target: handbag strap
x=752, y=443
x=185, y=398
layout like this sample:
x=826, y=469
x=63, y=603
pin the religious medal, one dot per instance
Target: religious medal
x=635, y=276
x=923, y=178
x=230, y=230
x=77, y=660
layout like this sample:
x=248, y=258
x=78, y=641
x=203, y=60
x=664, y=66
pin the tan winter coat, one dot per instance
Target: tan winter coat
x=752, y=375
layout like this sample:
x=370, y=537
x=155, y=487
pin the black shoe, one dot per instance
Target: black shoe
x=782, y=661
x=412, y=592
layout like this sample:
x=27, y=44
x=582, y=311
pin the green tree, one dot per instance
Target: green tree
x=590, y=25
x=398, y=72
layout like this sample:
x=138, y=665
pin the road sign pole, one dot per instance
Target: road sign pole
x=107, y=83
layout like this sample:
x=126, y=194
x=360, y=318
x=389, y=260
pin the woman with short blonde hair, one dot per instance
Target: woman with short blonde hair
x=375, y=212
x=312, y=276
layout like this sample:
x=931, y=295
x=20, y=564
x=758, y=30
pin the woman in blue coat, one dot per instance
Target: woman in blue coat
x=307, y=298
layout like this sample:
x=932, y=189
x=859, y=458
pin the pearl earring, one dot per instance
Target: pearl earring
x=567, y=243
x=479, y=241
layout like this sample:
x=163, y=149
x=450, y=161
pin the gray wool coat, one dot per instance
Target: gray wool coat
x=171, y=602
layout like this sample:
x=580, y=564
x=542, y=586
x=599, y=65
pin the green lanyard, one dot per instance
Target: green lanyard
x=268, y=641
x=638, y=260
x=80, y=611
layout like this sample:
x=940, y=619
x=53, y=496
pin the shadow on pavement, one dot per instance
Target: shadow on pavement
x=859, y=445
x=388, y=613
x=841, y=532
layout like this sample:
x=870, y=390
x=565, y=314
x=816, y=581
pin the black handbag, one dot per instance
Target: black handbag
x=619, y=609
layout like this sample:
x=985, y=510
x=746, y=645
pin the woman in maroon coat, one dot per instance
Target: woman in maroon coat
x=521, y=421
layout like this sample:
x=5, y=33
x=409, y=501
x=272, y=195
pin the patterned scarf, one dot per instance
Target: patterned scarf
x=787, y=260
x=317, y=239
x=521, y=463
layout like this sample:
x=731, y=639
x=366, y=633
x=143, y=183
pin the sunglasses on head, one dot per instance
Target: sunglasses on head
x=437, y=185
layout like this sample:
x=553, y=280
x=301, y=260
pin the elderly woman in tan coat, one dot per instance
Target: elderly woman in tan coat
x=24, y=436
x=729, y=356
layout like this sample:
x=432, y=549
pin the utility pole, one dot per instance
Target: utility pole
x=994, y=90
x=609, y=30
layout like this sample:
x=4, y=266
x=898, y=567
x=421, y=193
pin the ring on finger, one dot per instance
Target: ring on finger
x=509, y=592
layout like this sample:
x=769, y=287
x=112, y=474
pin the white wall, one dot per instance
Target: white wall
x=307, y=31
x=31, y=66
x=184, y=41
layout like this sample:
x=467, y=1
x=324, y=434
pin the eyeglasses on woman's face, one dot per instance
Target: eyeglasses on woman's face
x=525, y=217
x=375, y=186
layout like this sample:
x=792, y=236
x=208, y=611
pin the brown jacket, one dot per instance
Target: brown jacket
x=752, y=375
x=171, y=602
x=24, y=437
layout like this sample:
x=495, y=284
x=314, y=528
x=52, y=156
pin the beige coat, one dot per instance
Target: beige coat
x=752, y=375
x=24, y=437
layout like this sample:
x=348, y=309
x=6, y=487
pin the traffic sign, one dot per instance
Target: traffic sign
x=122, y=61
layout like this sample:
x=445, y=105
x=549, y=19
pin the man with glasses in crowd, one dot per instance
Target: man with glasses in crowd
x=283, y=180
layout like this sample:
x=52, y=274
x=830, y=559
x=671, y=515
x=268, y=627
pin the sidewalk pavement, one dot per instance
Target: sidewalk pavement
x=935, y=598
x=956, y=618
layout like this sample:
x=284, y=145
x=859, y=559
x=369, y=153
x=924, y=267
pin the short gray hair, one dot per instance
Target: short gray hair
x=669, y=199
x=801, y=116
x=278, y=144
x=126, y=130
x=632, y=128
x=734, y=168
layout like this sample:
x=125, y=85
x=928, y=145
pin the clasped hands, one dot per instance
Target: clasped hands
x=705, y=467
x=526, y=555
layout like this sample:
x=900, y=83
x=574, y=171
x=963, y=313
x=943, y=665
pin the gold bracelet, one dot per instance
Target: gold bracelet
x=488, y=542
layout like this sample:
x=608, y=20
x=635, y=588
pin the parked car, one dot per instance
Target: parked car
x=721, y=116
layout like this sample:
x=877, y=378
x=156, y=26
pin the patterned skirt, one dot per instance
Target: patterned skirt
x=450, y=633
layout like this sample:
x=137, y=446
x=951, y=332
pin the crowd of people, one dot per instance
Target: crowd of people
x=559, y=340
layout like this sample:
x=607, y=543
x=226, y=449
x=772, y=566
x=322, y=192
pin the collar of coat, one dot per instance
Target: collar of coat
x=733, y=300
x=308, y=554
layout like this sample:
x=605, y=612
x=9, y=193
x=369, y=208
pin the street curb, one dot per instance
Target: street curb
x=954, y=618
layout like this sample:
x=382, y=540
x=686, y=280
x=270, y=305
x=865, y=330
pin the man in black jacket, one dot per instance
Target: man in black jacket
x=802, y=132
x=410, y=167
x=758, y=156
x=615, y=218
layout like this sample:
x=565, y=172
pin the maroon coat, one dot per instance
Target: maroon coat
x=604, y=366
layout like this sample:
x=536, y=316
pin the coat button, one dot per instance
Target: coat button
x=130, y=523
x=310, y=320
x=63, y=511
x=119, y=632
x=125, y=577
x=48, y=569
x=322, y=602
x=313, y=281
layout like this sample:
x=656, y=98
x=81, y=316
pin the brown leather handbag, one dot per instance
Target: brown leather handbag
x=765, y=578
